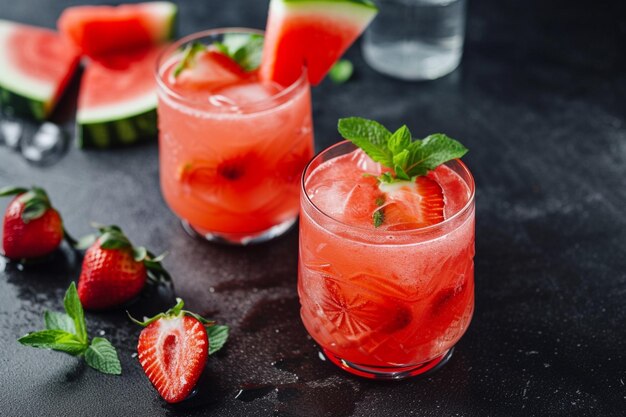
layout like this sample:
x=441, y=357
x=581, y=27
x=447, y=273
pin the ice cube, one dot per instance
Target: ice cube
x=11, y=132
x=365, y=163
x=45, y=145
x=248, y=93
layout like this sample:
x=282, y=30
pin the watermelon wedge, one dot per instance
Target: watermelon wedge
x=101, y=30
x=314, y=33
x=36, y=65
x=117, y=100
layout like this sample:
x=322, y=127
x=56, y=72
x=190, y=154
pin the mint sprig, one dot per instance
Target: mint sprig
x=66, y=332
x=244, y=48
x=407, y=157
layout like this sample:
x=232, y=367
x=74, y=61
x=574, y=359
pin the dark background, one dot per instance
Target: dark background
x=538, y=100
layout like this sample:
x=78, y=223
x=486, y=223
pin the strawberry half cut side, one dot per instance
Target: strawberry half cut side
x=173, y=349
x=413, y=207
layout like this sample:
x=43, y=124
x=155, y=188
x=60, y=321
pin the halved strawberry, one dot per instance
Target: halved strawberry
x=412, y=205
x=173, y=349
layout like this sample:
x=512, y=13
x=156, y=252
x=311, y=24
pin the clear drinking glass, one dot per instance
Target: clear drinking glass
x=416, y=39
x=231, y=159
x=384, y=304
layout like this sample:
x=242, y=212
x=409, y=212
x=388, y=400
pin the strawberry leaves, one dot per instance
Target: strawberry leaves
x=66, y=332
x=408, y=158
x=35, y=201
x=112, y=237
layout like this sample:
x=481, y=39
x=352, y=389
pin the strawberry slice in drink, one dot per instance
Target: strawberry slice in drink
x=412, y=205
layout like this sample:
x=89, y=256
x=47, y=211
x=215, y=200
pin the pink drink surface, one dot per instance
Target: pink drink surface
x=232, y=147
x=372, y=296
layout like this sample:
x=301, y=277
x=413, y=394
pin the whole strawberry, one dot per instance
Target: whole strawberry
x=173, y=349
x=114, y=272
x=32, y=227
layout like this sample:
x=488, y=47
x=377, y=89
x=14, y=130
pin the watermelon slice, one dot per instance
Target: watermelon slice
x=36, y=65
x=117, y=100
x=314, y=33
x=100, y=30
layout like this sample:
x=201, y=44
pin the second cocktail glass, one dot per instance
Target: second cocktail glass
x=388, y=302
x=231, y=155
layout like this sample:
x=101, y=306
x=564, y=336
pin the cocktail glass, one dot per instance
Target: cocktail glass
x=384, y=304
x=230, y=161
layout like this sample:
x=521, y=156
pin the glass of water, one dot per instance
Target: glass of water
x=416, y=39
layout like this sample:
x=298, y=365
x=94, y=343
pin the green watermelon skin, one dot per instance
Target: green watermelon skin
x=17, y=105
x=117, y=100
x=118, y=133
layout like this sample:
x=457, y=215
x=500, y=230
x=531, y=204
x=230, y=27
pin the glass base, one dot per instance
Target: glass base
x=390, y=372
x=239, y=239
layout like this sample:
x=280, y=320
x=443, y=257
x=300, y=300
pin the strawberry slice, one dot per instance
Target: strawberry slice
x=413, y=205
x=173, y=349
x=172, y=353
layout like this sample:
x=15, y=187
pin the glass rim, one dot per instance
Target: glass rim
x=422, y=230
x=172, y=48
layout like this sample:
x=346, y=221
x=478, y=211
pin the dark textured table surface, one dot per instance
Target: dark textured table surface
x=539, y=100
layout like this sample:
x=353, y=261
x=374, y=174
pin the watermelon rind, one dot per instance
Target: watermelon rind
x=338, y=22
x=21, y=94
x=117, y=124
x=169, y=11
x=365, y=3
x=358, y=12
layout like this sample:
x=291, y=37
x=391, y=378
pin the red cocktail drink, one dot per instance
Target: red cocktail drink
x=232, y=146
x=389, y=299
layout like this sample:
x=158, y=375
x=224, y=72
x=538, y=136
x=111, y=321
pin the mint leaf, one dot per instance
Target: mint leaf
x=368, y=135
x=189, y=53
x=59, y=340
x=341, y=71
x=74, y=309
x=378, y=218
x=218, y=335
x=102, y=356
x=407, y=158
x=400, y=140
x=59, y=321
x=433, y=151
x=245, y=49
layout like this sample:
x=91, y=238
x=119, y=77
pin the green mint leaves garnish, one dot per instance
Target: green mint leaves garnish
x=408, y=158
x=217, y=334
x=341, y=71
x=245, y=49
x=67, y=332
